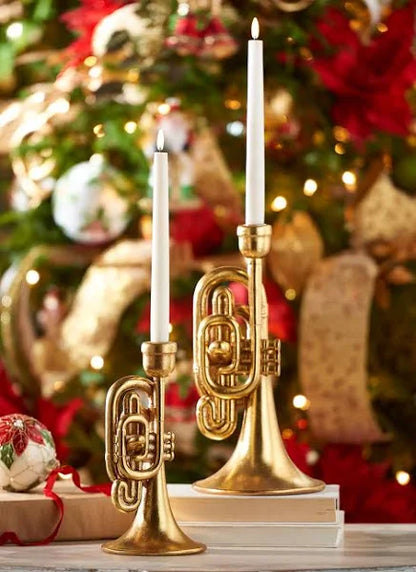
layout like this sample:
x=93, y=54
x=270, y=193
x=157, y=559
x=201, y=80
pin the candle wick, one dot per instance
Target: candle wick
x=255, y=29
x=160, y=140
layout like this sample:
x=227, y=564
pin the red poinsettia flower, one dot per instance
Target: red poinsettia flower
x=367, y=493
x=58, y=419
x=83, y=21
x=199, y=227
x=369, y=80
x=10, y=401
x=18, y=430
x=180, y=313
x=298, y=452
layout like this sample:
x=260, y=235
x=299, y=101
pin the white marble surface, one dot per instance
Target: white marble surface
x=366, y=547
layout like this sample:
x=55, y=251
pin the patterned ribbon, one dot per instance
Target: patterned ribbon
x=334, y=329
x=12, y=538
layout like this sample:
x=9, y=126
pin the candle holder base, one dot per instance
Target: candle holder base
x=236, y=481
x=259, y=464
x=154, y=530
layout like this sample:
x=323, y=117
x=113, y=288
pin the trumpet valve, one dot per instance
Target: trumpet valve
x=169, y=446
x=220, y=353
x=270, y=357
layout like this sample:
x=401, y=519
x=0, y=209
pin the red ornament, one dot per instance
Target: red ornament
x=217, y=42
x=17, y=430
x=186, y=37
x=369, y=81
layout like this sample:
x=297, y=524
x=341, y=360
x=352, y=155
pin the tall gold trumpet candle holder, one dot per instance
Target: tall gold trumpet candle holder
x=235, y=363
x=136, y=450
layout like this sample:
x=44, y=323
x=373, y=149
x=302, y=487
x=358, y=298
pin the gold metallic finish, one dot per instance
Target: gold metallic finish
x=235, y=363
x=137, y=448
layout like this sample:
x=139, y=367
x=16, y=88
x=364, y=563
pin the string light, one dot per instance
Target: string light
x=96, y=159
x=97, y=362
x=341, y=134
x=301, y=402
x=310, y=187
x=233, y=104
x=95, y=72
x=287, y=433
x=164, y=108
x=58, y=385
x=312, y=457
x=290, y=294
x=170, y=328
x=235, y=128
x=146, y=226
x=130, y=127
x=339, y=149
x=349, y=179
x=381, y=27
x=14, y=31
x=99, y=130
x=32, y=277
x=279, y=204
x=403, y=478
x=183, y=9
x=90, y=61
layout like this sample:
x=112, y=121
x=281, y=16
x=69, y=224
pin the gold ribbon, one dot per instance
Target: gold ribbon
x=334, y=330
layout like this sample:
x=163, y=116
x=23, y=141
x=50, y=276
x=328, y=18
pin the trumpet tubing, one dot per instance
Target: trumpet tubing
x=235, y=364
x=227, y=347
x=136, y=443
x=216, y=417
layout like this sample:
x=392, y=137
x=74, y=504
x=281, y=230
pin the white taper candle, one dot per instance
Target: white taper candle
x=255, y=130
x=159, y=305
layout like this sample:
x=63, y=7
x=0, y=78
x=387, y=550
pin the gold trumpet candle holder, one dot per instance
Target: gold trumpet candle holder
x=137, y=448
x=235, y=364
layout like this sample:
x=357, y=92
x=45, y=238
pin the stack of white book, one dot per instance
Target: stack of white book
x=310, y=520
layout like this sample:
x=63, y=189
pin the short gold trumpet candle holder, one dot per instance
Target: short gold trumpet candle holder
x=137, y=448
x=235, y=363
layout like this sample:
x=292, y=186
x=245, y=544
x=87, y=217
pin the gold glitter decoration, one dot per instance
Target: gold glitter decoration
x=384, y=214
x=296, y=248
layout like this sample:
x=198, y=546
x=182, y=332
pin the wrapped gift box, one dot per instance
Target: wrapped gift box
x=221, y=520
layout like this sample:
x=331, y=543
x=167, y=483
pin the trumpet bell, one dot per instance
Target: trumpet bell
x=154, y=530
x=259, y=464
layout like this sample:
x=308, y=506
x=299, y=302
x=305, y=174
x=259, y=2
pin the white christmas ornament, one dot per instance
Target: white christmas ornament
x=130, y=35
x=86, y=204
x=27, y=452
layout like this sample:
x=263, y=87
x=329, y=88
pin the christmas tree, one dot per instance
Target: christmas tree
x=85, y=88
